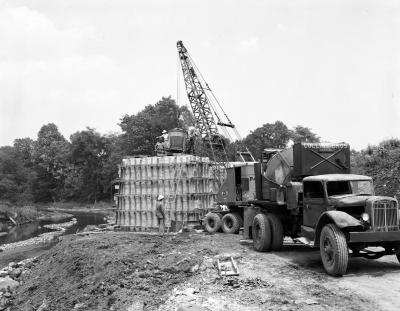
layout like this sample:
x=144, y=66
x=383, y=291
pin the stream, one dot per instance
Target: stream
x=30, y=230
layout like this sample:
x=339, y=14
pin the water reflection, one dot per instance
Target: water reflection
x=30, y=230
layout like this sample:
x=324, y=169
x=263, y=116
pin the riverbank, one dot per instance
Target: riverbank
x=54, y=216
x=70, y=207
x=19, y=215
x=44, y=238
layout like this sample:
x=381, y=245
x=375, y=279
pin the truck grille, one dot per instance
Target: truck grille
x=385, y=216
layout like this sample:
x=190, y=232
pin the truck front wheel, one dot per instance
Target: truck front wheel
x=334, y=251
x=261, y=230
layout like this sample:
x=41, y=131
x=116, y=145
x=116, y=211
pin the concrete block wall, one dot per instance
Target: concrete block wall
x=187, y=182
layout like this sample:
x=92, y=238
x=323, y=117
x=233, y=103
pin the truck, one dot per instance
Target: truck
x=307, y=193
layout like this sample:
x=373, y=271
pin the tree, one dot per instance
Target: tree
x=15, y=176
x=140, y=130
x=304, y=134
x=88, y=152
x=24, y=148
x=270, y=135
x=50, y=156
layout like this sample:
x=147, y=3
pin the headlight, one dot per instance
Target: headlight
x=365, y=217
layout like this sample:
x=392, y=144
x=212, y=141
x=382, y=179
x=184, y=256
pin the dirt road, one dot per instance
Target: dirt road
x=377, y=280
x=126, y=271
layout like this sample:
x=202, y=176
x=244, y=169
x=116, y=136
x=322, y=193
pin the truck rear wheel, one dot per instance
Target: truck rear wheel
x=277, y=232
x=334, y=251
x=261, y=231
x=212, y=222
x=231, y=223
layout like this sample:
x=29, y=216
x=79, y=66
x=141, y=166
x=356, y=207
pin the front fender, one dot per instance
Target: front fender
x=341, y=219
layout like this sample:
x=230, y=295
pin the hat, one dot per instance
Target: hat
x=164, y=131
x=160, y=197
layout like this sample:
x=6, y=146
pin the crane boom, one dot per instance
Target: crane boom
x=205, y=114
x=198, y=99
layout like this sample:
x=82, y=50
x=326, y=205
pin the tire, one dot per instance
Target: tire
x=334, y=251
x=261, y=230
x=277, y=232
x=212, y=222
x=231, y=223
x=240, y=219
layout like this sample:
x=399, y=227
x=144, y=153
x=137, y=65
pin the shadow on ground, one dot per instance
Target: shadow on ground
x=309, y=258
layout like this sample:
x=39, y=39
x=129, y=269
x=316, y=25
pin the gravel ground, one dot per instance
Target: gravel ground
x=128, y=271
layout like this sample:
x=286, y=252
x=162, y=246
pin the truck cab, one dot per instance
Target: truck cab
x=342, y=192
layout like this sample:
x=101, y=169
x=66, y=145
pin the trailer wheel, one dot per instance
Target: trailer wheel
x=231, y=223
x=277, y=232
x=212, y=222
x=334, y=251
x=261, y=231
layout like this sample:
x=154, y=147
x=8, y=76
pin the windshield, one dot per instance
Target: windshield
x=343, y=187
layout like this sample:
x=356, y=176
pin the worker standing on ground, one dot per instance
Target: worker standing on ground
x=160, y=213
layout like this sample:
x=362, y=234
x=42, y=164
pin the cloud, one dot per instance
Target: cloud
x=52, y=74
x=28, y=34
x=281, y=27
x=249, y=44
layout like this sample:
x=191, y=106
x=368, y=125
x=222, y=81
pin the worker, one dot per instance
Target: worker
x=160, y=213
x=190, y=144
x=165, y=135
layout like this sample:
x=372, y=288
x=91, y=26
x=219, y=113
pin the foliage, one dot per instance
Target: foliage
x=53, y=169
x=140, y=131
x=50, y=160
x=303, y=134
x=270, y=135
x=382, y=163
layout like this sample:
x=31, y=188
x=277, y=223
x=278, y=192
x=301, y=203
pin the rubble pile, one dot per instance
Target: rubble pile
x=11, y=278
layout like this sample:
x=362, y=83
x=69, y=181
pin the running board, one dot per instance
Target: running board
x=304, y=241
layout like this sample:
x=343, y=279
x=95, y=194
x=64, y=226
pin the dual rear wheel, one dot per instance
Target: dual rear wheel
x=267, y=231
x=229, y=223
x=268, y=235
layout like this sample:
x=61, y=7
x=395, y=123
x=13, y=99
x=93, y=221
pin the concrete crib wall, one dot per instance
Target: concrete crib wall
x=186, y=181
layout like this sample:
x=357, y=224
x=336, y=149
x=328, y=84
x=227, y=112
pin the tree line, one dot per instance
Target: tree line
x=52, y=168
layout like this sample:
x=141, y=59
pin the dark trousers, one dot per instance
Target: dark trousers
x=161, y=224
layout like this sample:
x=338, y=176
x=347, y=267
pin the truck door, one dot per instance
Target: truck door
x=314, y=202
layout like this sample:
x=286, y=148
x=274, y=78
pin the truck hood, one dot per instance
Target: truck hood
x=352, y=200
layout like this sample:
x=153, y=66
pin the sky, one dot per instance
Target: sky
x=333, y=66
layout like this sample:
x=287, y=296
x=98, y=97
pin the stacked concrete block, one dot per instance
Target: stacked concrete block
x=188, y=183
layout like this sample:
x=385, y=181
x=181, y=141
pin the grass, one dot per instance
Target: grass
x=21, y=214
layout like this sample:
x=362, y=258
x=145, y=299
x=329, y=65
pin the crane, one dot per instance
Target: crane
x=204, y=110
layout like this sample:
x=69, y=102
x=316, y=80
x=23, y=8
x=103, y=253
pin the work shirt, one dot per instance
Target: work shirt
x=160, y=210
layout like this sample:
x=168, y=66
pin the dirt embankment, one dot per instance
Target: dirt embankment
x=125, y=271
